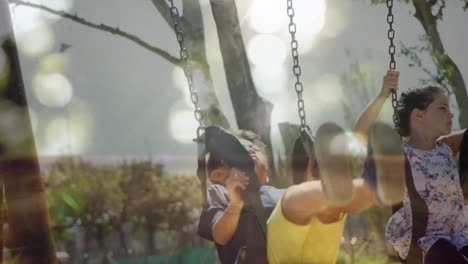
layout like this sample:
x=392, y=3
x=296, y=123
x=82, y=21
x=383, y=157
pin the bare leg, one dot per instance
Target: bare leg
x=306, y=200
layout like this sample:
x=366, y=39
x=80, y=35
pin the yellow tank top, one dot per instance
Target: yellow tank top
x=314, y=242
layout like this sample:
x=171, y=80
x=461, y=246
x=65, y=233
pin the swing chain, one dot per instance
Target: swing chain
x=296, y=67
x=392, y=65
x=184, y=56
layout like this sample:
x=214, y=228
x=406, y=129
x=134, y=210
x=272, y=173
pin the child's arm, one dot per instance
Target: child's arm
x=225, y=227
x=454, y=140
x=370, y=114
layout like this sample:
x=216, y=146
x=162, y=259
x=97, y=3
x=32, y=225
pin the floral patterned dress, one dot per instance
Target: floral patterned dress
x=436, y=179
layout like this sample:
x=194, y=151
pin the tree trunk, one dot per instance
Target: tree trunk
x=100, y=237
x=30, y=236
x=191, y=21
x=150, y=231
x=252, y=111
x=452, y=73
x=289, y=132
x=122, y=237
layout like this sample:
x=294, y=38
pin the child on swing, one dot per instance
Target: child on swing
x=306, y=226
x=234, y=228
x=425, y=121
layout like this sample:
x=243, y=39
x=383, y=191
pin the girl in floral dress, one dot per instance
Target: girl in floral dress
x=425, y=121
x=424, y=117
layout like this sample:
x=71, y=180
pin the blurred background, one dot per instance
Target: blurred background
x=113, y=121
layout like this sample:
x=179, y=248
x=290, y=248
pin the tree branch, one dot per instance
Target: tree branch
x=103, y=27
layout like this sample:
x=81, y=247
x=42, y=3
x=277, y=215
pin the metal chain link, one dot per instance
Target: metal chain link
x=392, y=65
x=296, y=67
x=184, y=56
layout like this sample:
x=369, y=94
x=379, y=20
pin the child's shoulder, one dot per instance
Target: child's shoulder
x=271, y=195
x=218, y=194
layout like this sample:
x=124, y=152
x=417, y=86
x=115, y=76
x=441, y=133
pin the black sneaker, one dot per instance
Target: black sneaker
x=331, y=150
x=388, y=157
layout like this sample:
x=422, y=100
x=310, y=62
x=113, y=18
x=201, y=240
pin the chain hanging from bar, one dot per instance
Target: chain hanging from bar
x=392, y=65
x=184, y=56
x=296, y=67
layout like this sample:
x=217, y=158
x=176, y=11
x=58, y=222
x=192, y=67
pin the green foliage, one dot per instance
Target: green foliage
x=100, y=200
x=344, y=258
x=444, y=70
x=364, y=239
x=80, y=194
x=375, y=260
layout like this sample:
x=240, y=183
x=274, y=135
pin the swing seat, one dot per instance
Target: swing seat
x=463, y=159
x=419, y=212
x=303, y=150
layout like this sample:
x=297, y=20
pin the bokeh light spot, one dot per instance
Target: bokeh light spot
x=264, y=16
x=328, y=89
x=54, y=89
x=266, y=50
x=38, y=41
x=183, y=126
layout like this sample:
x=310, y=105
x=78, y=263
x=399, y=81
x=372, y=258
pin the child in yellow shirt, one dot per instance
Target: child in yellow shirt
x=306, y=226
